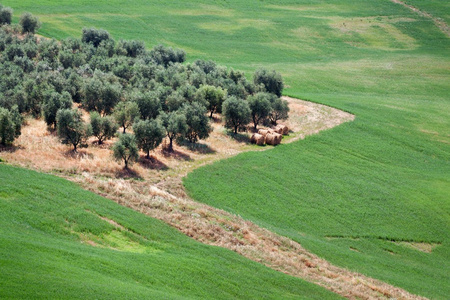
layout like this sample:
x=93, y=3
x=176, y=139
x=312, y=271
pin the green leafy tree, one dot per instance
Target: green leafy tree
x=197, y=122
x=29, y=23
x=100, y=95
x=148, y=103
x=103, y=128
x=94, y=36
x=236, y=112
x=71, y=129
x=167, y=55
x=175, y=125
x=260, y=107
x=5, y=15
x=212, y=96
x=149, y=134
x=53, y=102
x=10, y=125
x=272, y=81
x=125, y=113
x=279, y=110
x=126, y=149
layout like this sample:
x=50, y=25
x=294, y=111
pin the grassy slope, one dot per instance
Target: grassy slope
x=383, y=176
x=43, y=219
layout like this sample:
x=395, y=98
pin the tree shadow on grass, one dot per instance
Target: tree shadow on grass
x=176, y=154
x=152, y=163
x=79, y=154
x=239, y=137
x=200, y=148
x=10, y=148
x=127, y=173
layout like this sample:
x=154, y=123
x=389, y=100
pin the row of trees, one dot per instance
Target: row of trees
x=123, y=85
x=28, y=22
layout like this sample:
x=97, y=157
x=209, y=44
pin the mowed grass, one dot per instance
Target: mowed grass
x=363, y=195
x=58, y=241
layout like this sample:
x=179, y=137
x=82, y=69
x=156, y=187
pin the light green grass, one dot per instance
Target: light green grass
x=384, y=176
x=46, y=223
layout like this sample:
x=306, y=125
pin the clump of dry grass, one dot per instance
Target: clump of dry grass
x=159, y=193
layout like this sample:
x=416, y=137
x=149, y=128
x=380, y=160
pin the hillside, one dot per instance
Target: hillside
x=371, y=195
x=59, y=241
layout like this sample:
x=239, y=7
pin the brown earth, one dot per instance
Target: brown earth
x=154, y=187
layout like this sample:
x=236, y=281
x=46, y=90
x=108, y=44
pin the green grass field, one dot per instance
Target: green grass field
x=46, y=223
x=355, y=194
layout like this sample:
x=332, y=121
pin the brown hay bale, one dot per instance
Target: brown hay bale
x=258, y=139
x=264, y=132
x=282, y=129
x=278, y=129
x=273, y=139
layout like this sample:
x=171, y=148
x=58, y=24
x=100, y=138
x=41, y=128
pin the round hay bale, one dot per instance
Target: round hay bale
x=264, y=132
x=257, y=139
x=273, y=139
x=285, y=130
x=278, y=137
x=278, y=129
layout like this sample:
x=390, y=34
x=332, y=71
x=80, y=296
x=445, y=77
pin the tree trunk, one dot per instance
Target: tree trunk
x=210, y=116
x=74, y=148
x=124, y=129
x=235, y=129
x=148, y=155
x=170, y=144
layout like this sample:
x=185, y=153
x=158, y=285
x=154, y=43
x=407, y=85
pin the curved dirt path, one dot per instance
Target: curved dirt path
x=159, y=193
x=441, y=24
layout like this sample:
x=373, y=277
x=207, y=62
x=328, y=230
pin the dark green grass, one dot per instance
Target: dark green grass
x=41, y=254
x=384, y=176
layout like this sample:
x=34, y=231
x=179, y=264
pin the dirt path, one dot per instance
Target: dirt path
x=441, y=24
x=158, y=192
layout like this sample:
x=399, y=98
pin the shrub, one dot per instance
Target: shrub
x=71, y=128
x=236, y=112
x=126, y=149
x=149, y=134
x=103, y=128
x=29, y=23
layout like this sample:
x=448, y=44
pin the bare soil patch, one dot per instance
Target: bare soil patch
x=154, y=187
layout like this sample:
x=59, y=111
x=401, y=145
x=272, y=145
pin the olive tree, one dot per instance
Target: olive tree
x=197, y=122
x=126, y=149
x=175, y=125
x=272, y=81
x=279, y=110
x=212, y=96
x=29, y=23
x=236, y=112
x=125, y=113
x=100, y=95
x=149, y=134
x=103, y=128
x=10, y=125
x=167, y=55
x=260, y=107
x=148, y=103
x=71, y=129
x=94, y=36
x=53, y=102
x=5, y=15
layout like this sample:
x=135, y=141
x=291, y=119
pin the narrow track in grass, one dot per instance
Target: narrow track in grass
x=441, y=24
x=157, y=191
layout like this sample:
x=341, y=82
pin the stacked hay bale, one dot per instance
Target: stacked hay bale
x=273, y=138
x=258, y=139
x=264, y=132
x=282, y=129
